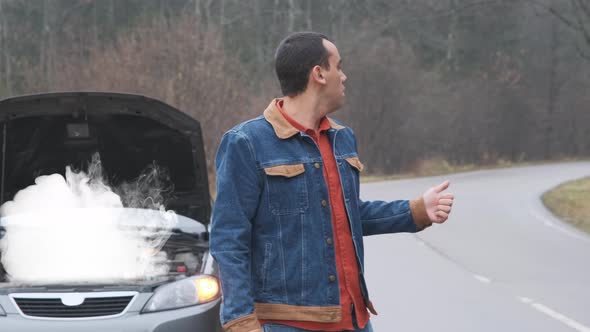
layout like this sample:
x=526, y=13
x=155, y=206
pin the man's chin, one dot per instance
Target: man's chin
x=337, y=106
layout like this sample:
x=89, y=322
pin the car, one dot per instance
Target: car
x=42, y=134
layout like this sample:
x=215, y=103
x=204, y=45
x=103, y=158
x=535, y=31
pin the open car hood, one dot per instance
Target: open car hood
x=42, y=134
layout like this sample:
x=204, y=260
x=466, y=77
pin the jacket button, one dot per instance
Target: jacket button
x=316, y=165
x=324, y=203
x=329, y=241
x=332, y=278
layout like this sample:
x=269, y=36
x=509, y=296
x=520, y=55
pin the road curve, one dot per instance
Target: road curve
x=502, y=262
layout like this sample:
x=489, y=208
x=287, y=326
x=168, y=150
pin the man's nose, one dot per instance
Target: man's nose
x=343, y=78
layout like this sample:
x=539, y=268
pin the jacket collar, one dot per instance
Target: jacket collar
x=283, y=129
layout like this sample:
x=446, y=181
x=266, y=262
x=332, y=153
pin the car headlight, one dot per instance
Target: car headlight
x=183, y=293
x=2, y=312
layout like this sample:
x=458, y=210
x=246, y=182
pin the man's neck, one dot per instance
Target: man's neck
x=305, y=109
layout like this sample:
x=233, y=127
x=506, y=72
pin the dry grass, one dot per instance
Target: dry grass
x=570, y=201
x=435, y=167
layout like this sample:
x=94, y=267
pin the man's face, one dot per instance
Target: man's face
x=335, y=78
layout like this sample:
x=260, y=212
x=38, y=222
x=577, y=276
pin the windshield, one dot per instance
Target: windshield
x=99, y=246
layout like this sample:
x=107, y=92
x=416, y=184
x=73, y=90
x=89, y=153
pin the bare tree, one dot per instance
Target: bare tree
x=504, y=75
x=292, y=12
x=451, y=57
x=140, y=62
x=575, y=14
x=5, y=60
x=553, y=90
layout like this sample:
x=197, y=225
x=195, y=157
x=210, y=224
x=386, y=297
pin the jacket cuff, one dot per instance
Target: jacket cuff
x=418, y=210
x=246, y=323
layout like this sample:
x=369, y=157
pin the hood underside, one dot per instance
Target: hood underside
x=42, y=134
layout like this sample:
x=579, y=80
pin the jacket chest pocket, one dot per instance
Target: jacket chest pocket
x=287, y=189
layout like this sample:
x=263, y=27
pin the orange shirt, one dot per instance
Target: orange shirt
x=346, y=264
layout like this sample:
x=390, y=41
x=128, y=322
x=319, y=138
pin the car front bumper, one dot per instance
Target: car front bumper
x=199, y=318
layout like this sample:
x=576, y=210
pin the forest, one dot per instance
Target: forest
x=455, y=81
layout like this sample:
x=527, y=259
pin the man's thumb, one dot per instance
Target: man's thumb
x=441, y=187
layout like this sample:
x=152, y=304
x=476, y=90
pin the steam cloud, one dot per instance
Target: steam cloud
x=77, y=229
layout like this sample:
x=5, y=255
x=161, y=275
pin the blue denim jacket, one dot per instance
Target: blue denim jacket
x=269, y=230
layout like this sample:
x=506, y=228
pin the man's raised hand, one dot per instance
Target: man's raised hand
x=438, y=204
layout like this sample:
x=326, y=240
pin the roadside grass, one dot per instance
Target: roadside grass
x=434, y=167
x=570, y=201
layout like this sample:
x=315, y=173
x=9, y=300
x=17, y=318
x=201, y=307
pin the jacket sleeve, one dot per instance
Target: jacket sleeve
x=378, y=217
x=238, y=193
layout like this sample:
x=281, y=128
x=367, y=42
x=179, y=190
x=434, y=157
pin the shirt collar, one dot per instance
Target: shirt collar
x=284, y=128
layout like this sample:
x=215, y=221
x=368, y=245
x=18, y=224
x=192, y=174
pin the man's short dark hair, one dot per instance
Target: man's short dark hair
x=296, y=56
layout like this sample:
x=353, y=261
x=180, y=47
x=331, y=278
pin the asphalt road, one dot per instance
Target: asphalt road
x=502, y=262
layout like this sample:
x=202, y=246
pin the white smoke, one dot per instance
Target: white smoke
x=77, y=229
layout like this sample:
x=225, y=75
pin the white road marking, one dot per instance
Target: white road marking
x=555, y=315
x=526, y=300
x=559, y=228
x=482, y=278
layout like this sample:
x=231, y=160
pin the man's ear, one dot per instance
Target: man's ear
x=317, y=75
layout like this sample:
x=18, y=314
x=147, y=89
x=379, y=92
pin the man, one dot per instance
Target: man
x=288, y=223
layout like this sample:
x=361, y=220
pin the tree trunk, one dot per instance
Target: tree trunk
x=292, y=13
x=276, y=8
x=552, y=91
x=44, y=49
x=221, y=14
x=94, y=25
x=5, y=62
x=452, y=37
x=197, y=8
x=110, y=23
x=259, y=37
x=207, y=14
x=48, y=43
x=308, y=18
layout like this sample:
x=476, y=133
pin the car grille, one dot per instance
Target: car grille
x=92, y=307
